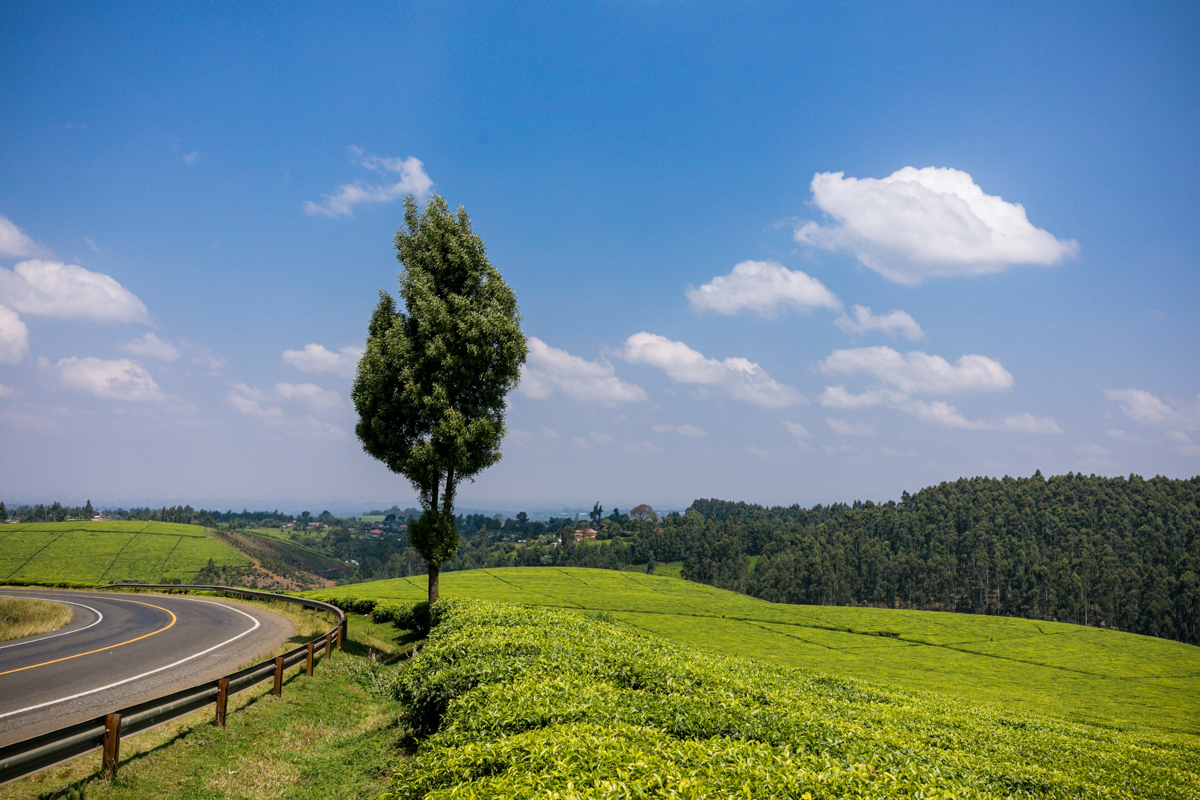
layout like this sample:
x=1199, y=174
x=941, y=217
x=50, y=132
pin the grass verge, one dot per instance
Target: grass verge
x=334, y=735
x=22, y=616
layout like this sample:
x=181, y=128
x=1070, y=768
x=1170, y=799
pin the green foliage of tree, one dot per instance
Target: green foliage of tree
x=643, y=513
x=431, y=383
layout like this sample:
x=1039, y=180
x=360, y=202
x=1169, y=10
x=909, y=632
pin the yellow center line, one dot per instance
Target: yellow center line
x=174, y=619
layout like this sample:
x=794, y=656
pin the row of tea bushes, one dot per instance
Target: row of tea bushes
x=409, y=616
x=519, y=702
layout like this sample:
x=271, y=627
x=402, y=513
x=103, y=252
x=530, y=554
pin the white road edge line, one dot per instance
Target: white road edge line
x=99, y=619
x=257, y=625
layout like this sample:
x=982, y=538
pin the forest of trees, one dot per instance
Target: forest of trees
x=1112, y=552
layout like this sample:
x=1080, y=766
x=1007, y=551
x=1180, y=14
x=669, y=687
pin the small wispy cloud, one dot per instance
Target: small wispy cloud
x=549, y=369
x=149, y=345
x=680, y=430
x=191, y=158
x=743, y=379
x=412, y=179
x=317, y=358
x=846, y=428
x=894, y=323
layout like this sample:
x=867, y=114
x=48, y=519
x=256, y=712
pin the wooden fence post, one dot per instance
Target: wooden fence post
x=222, y=701
x=278, y=690
x=328, y=645
x=339, y=637
x=310, y=659
x=112, y=745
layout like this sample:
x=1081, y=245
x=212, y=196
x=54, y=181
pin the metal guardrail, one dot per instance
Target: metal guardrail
x=24, y=758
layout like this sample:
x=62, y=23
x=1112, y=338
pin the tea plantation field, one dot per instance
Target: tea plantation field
x=109, y=552
x=534, y=702
x=1085, y=675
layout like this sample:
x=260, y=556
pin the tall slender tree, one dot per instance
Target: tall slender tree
x=431, y=383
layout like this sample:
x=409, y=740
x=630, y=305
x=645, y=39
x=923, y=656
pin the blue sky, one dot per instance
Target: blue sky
x=763, y=252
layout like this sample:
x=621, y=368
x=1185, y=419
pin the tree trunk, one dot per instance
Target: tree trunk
x=433, y=582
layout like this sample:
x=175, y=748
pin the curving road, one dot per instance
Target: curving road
x=123, y=649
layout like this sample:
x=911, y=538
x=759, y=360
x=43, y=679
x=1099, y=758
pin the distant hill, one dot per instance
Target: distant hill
x=158, y=552
x=111, y=552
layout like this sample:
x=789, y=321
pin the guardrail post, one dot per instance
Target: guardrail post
x=328, y=645
x=339, y=636
x=310, y=659
x=112, y=744
x=222, y=701
x=278, y=690
x=344, y=631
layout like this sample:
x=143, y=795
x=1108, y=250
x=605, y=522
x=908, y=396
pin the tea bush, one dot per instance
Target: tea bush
x=519, y=702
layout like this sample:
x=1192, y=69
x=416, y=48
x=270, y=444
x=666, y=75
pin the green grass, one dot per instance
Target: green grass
x=670, y=569
x=109, y=552
x=334, y=735
x=1087, y=675
x=545, y=703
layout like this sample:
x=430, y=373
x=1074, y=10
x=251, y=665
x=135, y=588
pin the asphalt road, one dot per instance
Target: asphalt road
x=122, y=649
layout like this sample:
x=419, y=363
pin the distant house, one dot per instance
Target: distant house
x=99, y=518
x=375, y=530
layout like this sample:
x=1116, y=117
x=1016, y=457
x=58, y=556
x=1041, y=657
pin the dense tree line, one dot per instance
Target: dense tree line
x=1112, y=552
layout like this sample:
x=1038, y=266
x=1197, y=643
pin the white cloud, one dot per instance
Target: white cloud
x=14, y=337
x=743, y=379
x=119, y=379
x=797, y=430
x=6, y=391
x=894, y=323
x=93, y=245
x=642, y=448
x=763, y=287
x=150, y=346
x=918, y=224
x=1144, y=407
x=600, y=438
x=1028, y=423
x=412, y=180
x=848, y=428
x=191, y=158
x=937, y=412
x=523, y=438
x=548, y=369
x=681, y=430
x=920, y=372
x=250, y=401
x=255, y=403
x=310, y=395
x=315, y=358
x=549, y=433
x=1174, y=417
x=54, y=289
x=15, y=244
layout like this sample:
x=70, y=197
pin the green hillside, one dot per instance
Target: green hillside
x=1082, y=674
x=110, y=552
x=518, y=702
